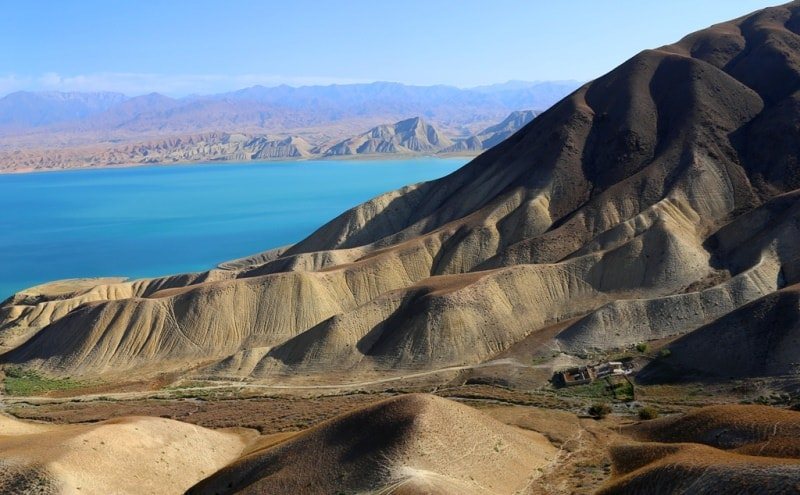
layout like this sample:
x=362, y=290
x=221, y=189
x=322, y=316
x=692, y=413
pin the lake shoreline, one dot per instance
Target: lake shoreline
x=338, y=158
x=147, y=221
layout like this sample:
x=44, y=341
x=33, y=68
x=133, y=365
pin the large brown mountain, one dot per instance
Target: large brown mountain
x=647, y=204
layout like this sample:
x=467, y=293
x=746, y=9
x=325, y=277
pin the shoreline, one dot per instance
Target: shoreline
x=369, y=157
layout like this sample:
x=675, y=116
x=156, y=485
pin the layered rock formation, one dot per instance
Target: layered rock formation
x=407, y=136
x=648, y=203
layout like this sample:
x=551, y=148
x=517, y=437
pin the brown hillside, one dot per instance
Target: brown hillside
x=692, y=468
x=747, y=449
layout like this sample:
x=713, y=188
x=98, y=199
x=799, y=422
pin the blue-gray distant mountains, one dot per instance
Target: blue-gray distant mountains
x=272, y=110
x=51, y=130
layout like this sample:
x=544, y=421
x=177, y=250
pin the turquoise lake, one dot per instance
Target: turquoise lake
x=159, y=220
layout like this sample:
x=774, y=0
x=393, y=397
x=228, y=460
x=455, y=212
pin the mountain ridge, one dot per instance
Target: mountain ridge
x=275, y=109
x=408, y=137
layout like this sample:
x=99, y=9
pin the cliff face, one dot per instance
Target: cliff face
x=666, y=187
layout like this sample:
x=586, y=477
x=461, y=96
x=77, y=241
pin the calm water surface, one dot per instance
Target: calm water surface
x=149, y=221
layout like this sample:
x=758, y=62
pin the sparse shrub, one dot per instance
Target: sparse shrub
x=14, y=372
x=641, y=347
x=599, y=410
x=665, y=353
x=648, y=412
x=795, y=406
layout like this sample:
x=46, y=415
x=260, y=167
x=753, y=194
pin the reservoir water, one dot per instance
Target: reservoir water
x=159, y=220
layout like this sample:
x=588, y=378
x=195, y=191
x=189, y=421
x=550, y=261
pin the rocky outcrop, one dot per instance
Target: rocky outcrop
x=407, y=136
x=496, y=134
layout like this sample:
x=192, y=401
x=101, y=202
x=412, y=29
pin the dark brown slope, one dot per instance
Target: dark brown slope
x=720, y=449
x=759, y=339
x=603, y=205
x=743, y=428
x=646, y=124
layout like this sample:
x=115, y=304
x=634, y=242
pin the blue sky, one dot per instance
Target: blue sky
x=199, y=46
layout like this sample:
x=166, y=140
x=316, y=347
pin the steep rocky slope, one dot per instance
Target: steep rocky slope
x=648, y=203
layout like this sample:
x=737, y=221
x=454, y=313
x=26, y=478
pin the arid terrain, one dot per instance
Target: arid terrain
x=604, y=302
x=408, y=137
x=57, y=131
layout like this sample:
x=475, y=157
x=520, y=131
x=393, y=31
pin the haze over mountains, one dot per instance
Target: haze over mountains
x=40, y=131
x=272, y=108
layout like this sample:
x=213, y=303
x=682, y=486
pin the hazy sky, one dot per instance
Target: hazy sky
x=198, y=46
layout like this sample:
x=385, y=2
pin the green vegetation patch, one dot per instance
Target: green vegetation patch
x=615, y=390
x=598, y=388
x=26, y=382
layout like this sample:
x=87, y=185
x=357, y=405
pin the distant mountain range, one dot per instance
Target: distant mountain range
x=272, y=110
x=48, y=130
x=406, y=137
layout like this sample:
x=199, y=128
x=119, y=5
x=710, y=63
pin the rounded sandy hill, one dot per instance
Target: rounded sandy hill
x=407, y=444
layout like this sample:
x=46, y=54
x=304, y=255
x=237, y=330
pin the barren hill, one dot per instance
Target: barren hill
x=722, y=449
x=409, y=136
x=125, y=455
x=407, y=444
x=645, y=205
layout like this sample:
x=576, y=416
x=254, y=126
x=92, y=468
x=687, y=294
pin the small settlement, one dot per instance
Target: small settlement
x=582, y=375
